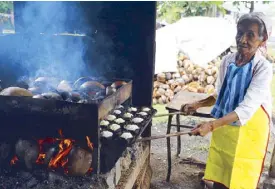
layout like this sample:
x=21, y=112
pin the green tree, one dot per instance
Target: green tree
x=6, y=6
x=248, y=4
x=171, y=11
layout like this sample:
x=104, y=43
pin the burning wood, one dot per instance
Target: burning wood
x=27, y=151
x=73, y=160
x=90, y=145
x=14, y=160
x=79, y=161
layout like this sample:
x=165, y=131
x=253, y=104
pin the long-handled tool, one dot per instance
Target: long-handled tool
x=168, y=114
x=197, y=114
x=164, y=136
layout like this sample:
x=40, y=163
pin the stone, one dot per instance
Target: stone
x=269, y=183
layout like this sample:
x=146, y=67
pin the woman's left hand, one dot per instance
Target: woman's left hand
x=203, y=129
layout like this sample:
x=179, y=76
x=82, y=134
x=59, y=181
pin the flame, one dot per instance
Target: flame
x=40, y=159
x=90, y=170
x=65, y=146
x=90, y=145
x=14, y=160
x=42, y=155
x=60, y=133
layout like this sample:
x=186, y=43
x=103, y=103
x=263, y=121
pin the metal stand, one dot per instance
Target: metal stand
x=169, y=125
x=182, y=97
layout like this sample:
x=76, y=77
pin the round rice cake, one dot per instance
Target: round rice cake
x=132, y=109
x=111, y=117
x=131, y=127
x=137, y=120
x=117, y=112
x=114, y=127
x=119, y=120
x=106, y=134
x=143, y=113
x=146, y=109
x=128, y=115
x=104, y=123
x=126, y=135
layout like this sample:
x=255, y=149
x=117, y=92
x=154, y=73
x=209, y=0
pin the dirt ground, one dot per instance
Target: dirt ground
x=183, y=176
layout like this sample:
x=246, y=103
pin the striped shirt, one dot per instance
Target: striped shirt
x=243, y=89
x=233, y=90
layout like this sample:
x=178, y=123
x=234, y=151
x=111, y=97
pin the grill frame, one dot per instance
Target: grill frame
x=39, y=118
x=133, y=33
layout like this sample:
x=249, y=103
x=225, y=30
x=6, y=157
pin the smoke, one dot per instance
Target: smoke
x=35, y=50
x=43, y=53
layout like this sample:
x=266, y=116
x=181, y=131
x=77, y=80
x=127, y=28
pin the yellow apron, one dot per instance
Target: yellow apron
x=236, y=154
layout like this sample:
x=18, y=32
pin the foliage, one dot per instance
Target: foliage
x=248, y=4
x=6, y=6
x=171, y=11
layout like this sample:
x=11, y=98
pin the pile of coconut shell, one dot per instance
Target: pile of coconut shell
x=190, y=77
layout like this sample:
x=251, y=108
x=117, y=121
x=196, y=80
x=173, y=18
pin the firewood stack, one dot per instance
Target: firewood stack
x=190, y=77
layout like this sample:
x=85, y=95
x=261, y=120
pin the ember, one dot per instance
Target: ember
x=56, y=158
x=90, y=145
x=14, y=160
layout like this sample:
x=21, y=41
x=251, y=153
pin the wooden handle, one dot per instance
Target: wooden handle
x=196, y=114
x=168, y=114
x=163, y=136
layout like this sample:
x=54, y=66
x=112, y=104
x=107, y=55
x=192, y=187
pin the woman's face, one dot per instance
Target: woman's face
x=247, y=38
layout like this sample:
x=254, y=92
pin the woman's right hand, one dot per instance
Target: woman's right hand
x=189, y=109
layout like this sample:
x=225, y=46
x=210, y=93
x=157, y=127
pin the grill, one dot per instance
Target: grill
x=26, y=120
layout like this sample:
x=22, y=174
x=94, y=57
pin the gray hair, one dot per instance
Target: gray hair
x=255, y=17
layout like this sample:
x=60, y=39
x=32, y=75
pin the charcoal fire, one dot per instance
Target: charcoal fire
x=55, y=153
x=27, y=151
x=115, y=126
x=79, y=161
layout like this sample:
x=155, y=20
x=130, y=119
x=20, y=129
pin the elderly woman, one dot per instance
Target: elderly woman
x=242, y=110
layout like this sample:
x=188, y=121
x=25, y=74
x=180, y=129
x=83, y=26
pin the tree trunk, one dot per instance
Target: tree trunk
x=251, y=6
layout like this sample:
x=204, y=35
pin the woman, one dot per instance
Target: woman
x=242, y=108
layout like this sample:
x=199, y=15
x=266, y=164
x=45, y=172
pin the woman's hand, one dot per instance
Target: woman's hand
x=189, y=109
x=203, y=129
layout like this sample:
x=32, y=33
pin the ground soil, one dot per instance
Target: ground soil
x=183, y=176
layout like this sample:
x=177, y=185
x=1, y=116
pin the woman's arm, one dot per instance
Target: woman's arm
x=190, y=109
x=206, y=127
x=258, y=90
x=225, y=120
x=209, y=101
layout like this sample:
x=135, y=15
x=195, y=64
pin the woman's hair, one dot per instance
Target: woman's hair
x=254, y=18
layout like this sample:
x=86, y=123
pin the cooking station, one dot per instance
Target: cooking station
x=77, y=131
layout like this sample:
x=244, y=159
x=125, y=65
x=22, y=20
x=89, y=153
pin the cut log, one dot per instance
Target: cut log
x=167, y=84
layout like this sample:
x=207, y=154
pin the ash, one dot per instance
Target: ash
x=43, y=179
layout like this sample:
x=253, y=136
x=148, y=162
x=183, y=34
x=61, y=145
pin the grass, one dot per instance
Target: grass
x=161, y=110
